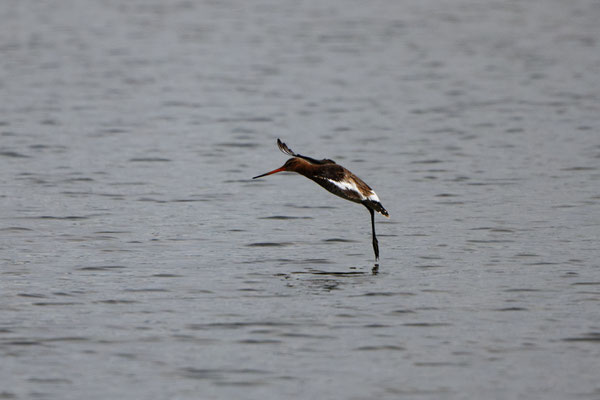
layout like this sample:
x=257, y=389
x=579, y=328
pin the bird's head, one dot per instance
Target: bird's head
x=290, y=165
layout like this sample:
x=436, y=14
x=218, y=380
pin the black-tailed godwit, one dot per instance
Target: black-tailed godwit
x=335, y=178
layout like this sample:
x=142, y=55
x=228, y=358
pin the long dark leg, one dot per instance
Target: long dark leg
x=375, y=243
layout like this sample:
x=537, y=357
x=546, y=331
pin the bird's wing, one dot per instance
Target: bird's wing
x=285, y=149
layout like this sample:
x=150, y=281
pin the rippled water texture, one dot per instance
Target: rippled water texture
x=140, y=261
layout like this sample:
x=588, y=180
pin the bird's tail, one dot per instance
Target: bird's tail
x=376, y=206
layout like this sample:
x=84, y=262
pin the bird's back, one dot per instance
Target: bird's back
x=339, y=181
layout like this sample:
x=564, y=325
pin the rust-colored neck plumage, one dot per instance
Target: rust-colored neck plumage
x=300, y=166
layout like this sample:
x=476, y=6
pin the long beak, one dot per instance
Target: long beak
x=272, y=172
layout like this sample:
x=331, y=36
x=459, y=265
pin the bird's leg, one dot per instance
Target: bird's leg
x=375, y=243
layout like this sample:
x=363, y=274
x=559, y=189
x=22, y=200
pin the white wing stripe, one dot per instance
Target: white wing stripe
x=373, y=197
x=346, y=185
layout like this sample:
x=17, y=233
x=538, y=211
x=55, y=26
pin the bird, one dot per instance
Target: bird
x=337, y=180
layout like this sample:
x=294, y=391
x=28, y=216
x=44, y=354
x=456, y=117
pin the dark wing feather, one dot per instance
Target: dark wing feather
x=285, y=149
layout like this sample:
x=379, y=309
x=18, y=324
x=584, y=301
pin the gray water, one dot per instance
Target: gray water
x=139, y=260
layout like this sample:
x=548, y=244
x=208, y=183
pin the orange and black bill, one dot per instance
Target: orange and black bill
x=272, y=172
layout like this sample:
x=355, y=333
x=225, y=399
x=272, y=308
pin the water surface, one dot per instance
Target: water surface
x=139, y=260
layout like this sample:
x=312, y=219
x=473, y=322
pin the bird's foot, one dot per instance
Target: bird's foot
x=375, y=269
